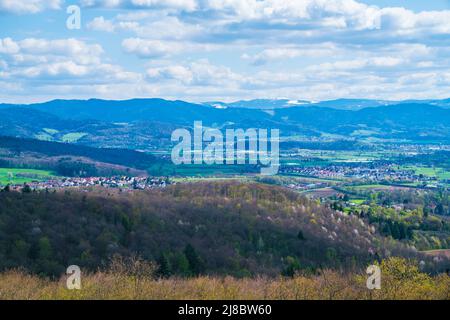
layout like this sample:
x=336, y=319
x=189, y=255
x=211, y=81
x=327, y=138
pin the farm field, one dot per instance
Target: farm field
x=19, y=176
x=199, y=170
x=372, y=187
x=437, y=172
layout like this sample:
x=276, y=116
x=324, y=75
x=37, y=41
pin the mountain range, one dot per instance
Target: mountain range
x=146, y=124
x=340, y=104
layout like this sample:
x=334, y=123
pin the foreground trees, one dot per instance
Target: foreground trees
x=220, y=228
x=401, y=279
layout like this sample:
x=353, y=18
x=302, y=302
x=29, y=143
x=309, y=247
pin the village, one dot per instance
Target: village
x=116, y=182
x=372, y=173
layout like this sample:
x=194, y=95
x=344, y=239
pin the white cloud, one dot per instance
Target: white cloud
x=179, y=73
x=188, y=5
x=201, y=74
x=150, y=48
x=60, y=60
x=200, y=49
x=358, y=63
x=8, y=46
x=101, y=24
x=282, y=53
x=28, y=6
x=146, y=48
x=76, y=50
x=185, y=5
x=66, y=68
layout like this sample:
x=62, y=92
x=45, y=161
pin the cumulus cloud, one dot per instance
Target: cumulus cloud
x=150, y=48
x=186, y=5
x=198, y=73
x=70, y=59
x=220, y=49
x=367, y=64
x=282, y=53
x=101, y=24
x=313, y=14
x=28, y=6
x=155, y=48
x=8, y=46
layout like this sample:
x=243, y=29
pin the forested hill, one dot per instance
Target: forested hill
x=212, y=228
x=124, y=157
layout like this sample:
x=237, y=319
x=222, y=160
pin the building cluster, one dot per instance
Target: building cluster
x=380, y=173
x=303, y=186
x=119, y=182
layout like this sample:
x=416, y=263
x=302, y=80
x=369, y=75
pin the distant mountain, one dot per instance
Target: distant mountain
x=122, y=111
x=353, y=104
x=271, y=104
x=340, y=104
x=445, y=103
x=144, y=124
x=178, y=112
x=262, y=104
x=393, y=116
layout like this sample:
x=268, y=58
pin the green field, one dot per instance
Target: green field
x=437, y=172
x=169, y=169
x=19, y=176
x=357, y=201
x=73, y=137
x=371, y=186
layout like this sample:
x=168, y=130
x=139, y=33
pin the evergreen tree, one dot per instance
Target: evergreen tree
x=300, y=236
x=439, y=209
x=165, y=269
x=195, y=263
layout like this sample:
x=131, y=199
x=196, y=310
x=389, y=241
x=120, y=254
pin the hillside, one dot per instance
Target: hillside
x=65, y=158
x=212, y=228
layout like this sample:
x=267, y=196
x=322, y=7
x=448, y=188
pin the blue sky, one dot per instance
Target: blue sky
x=204, y=50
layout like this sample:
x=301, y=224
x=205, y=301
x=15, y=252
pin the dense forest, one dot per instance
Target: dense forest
x=187, y=229
x=417, y=217
x=124, y=157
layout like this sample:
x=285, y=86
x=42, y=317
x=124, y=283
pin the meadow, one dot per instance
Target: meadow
x=440, y=173
x=20, y=176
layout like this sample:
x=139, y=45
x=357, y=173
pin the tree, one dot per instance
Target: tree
x=293, y=266
x=395, y=231
x=45, y=248
x=196, y=265
x=180, y=264
x=164, y=269
x=300, y=236
x=439, y=209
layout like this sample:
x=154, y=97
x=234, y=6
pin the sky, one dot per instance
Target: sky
x=225, y=50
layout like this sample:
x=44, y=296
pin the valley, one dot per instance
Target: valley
x=346, y=193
